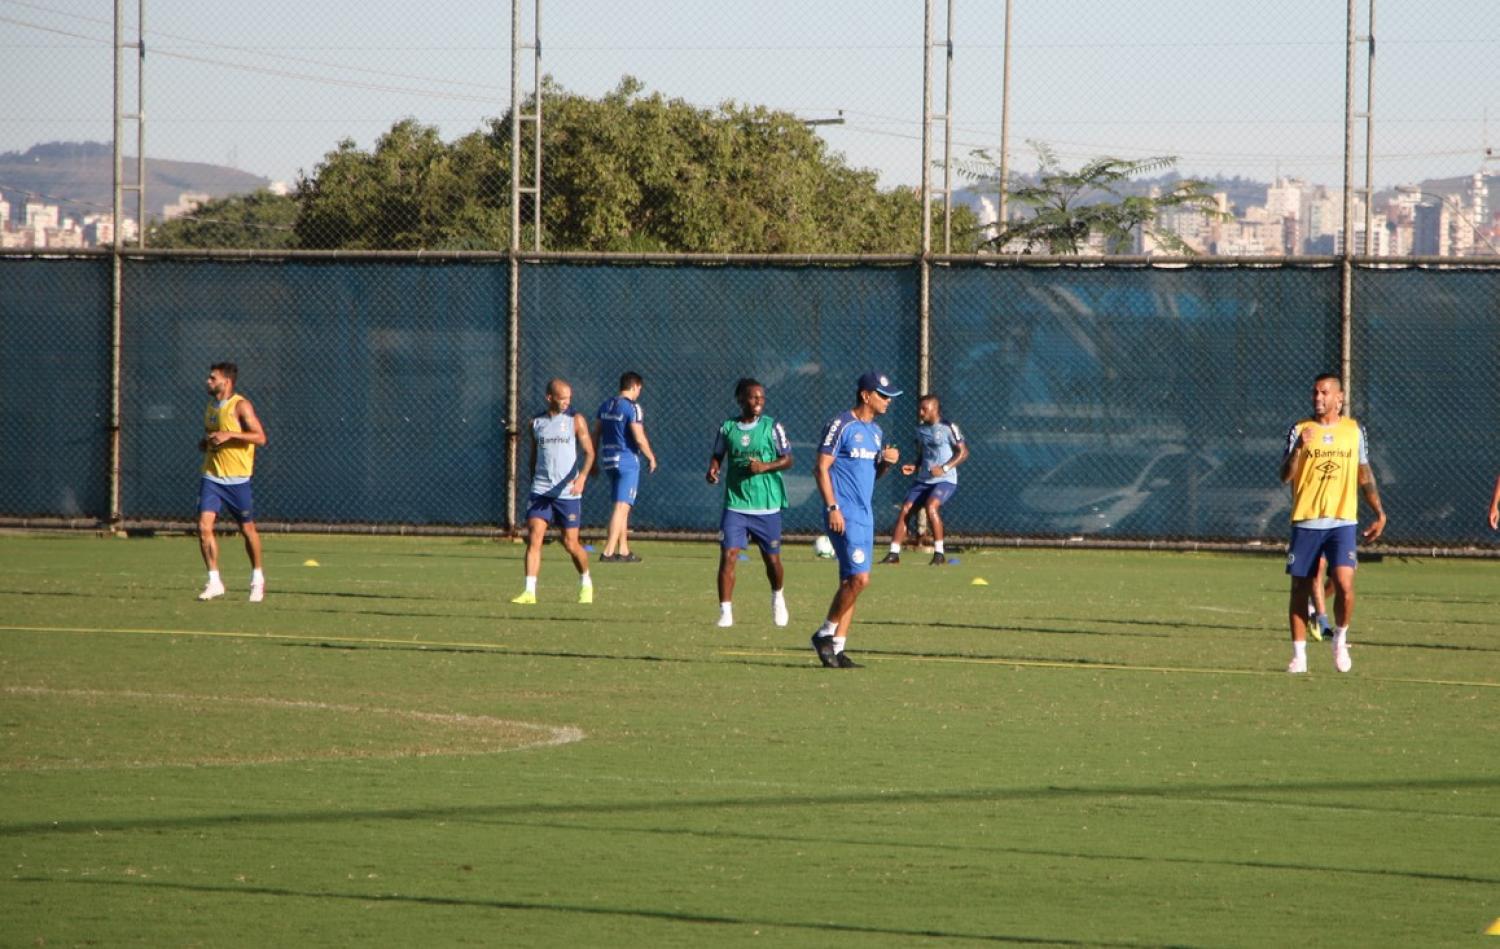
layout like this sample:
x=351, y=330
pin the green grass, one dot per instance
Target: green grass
x=1096, y=748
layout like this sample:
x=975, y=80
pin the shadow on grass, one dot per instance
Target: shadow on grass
x=803, y=840
x=1255, y=793
x=677, y=916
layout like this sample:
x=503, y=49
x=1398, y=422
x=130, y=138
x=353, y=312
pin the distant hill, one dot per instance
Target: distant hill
x=79, y=177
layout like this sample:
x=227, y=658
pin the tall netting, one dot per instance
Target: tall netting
x=1099, y=402
x=1427, y=388
x=776, y=127
x=54, y=387
x=1146, y=403
x=381, y=386
x=806, y=333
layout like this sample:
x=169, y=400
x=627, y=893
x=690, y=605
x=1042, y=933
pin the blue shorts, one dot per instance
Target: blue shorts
x=736, y=530
x=921, y=492
x=855, y=548
x=235, y=498
x=566, y=513
x=1309, y=545
x=623, y=483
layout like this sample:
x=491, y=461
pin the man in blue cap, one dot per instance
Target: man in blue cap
x=851, y=455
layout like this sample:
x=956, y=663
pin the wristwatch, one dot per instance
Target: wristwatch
x=831, y=508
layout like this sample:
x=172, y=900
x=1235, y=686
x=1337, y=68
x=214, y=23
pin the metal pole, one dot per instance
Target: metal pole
x=948, y=139
x=513, y=307
x=536, y=146
x=924, y=268
x=1346, y=288
x=515, y=126
x=1370, y=136
x=116, y=287
x=140, y=124
x=1004, y=130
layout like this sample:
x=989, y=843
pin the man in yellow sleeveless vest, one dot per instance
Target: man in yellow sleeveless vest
x=231, y=431
x=1327, y=463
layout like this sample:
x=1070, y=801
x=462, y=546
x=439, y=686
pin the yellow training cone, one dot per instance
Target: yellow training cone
x=979, y=582
x=310, y=563
x=1494, y=929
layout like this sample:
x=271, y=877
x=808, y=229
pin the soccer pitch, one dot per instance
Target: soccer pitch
x=1095, y=748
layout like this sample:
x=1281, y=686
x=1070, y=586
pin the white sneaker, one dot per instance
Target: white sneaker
x=257, y=592
x=726, y=619
x=1341, y=660
x=214, y=589
x=779, y=615
x=1297, y=666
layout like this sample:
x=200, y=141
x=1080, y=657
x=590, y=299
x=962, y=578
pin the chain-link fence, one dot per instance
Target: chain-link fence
x=1101, y=402
x=388, y=126
x=382, y=385
x=55, y=409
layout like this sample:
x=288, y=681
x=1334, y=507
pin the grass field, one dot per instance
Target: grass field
x=1094, y=749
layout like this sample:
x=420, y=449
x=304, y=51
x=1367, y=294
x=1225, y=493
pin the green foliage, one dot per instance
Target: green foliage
x=411, y=192
x=625, y=172
x=1067, y=208
x=259, y=220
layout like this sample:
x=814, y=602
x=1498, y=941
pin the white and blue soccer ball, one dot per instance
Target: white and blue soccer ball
x=823, y=547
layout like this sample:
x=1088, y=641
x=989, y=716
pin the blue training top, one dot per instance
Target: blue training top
x=617, y=447
x=855, y=447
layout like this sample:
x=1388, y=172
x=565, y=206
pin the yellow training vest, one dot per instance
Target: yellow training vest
x=231, y=459
x=1328, y=484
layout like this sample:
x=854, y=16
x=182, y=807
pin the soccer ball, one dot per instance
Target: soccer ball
x=823, y=547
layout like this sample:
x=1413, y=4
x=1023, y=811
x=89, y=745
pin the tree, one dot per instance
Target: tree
x=624, y=172
x=1068, y=207
x=258, y=220
x=411, y=192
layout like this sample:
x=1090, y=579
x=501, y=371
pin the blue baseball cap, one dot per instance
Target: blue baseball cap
x=878, y=382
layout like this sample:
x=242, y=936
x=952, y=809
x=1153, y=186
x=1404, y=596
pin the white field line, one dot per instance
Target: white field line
x=500, y=733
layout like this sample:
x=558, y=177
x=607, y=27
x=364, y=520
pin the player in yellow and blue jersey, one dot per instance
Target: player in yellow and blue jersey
x=1327, y=463
x=231, y=432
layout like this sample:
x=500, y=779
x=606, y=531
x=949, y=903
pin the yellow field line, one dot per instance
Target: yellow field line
x=222, y=634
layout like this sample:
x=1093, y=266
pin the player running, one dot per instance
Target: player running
x=942, y=449
x=850, y=458
x=557, y=481
x=757, y=452
x=231, y=430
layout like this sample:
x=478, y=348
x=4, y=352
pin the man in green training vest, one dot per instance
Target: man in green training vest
x=750, y=453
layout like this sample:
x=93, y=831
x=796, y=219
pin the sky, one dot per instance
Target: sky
x=1254, y=90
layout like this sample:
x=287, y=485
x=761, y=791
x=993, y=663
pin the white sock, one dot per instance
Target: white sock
x=838, y=644
x=1340, y=634
x=213, y=576
x=257, y=576
x=895, y=548
x=1299, y=649
x=584, y=580
x=531, y=584
x=777, y=596
x=726, y=607
x=937, y=546
x=826, y=629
